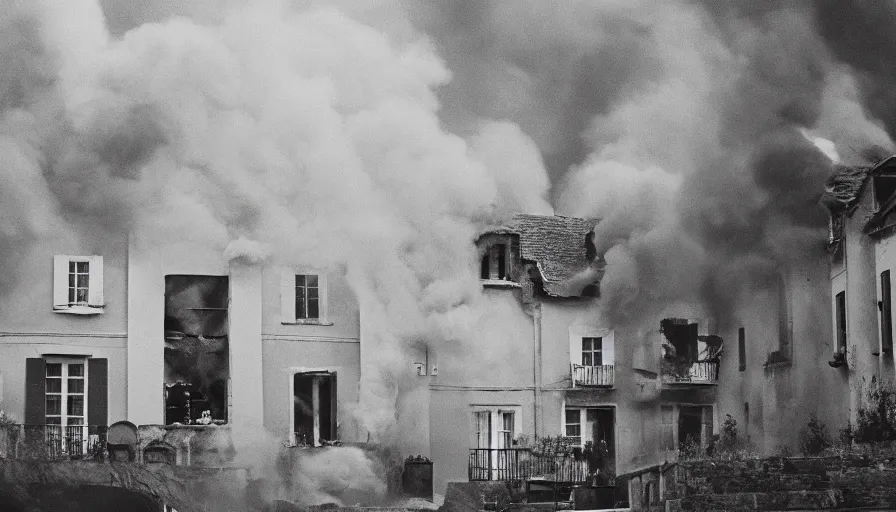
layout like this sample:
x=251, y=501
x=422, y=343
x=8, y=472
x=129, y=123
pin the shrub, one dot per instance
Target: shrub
x=814, y=438
x=877, y=416
x=728, y=438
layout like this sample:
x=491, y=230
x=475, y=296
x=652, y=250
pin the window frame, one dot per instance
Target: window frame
x=288, y=299
x=95, y=303
x=841, y=329
x=594, y=353
x=63, y=393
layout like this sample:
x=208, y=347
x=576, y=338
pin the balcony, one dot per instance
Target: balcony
x=52, y=442
x=696, y=372
x=517, y=464
x=592, y=376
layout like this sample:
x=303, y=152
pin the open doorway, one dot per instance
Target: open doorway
x=695, y=427
x=314, y=408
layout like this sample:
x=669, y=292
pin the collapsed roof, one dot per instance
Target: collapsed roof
x=562, y=249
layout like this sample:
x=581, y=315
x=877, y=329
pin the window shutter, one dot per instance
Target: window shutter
x=287, y=296
x=60, y=282
x=323, y=297
x=97, y=392
x=35, y=391
x=334, y=434
x=609, y=353
x=575, y=349
x=95, y=285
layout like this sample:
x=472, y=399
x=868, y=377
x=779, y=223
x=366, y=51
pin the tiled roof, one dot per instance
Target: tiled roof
x=555, y=242
x=843, y=188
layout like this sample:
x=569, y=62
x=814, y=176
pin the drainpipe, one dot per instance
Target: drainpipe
x=534, y=310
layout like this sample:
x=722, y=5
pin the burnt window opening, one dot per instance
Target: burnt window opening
x=840, y=306
x=197, y=369
x=884, y=187
x=314, y=408
x=494, y=263
x=886, y=313
x=681, y=337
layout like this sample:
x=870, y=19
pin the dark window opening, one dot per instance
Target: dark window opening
x=884, y=187
x=742, y=348
x=682, y=337
x=841, y=321
x=483, y=269
x=197, y=368
x=747, y=418
x=886, y=314
x=314, y=408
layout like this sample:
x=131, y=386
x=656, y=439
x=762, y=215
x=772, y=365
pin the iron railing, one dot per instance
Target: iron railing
x=521, y=464
x=52, y=442
x=603, y=375
x=700, y=372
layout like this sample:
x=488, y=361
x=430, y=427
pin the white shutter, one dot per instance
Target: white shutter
x=95, y=281
x=288, y=296
x=60, y=282
x=322, y=294
x=609, y=352
x=575, y=347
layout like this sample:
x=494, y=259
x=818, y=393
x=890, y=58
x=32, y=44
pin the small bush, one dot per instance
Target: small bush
x=814, y=438
x=876, y=422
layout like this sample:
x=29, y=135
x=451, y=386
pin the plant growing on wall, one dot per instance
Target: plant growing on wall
x=876, y=421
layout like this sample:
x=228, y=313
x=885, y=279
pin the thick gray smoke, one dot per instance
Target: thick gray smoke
x=378, y=136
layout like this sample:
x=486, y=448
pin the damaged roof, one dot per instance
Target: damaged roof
x=557, y=244
x=843, y=188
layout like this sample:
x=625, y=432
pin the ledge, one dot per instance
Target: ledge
x=499, y=283
x=307, y=322
x=80, y=310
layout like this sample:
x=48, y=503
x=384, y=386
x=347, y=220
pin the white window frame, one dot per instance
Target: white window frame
x=608, y=342
x=288, y=297
x=63, y=406
x=497, y=423
x=95, y=304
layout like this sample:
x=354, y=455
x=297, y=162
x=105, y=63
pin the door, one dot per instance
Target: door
x=66, y=406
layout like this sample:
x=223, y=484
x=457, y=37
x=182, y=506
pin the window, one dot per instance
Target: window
x=886, y=313
x=494, y=263
x=483, y=429
x=65, y=393
x=574, y=425
x=303, y=297
x=841, y=321
x=307, y=298
x=742, y=348
x=505, y=432
x=592, y=349
x=78, y=284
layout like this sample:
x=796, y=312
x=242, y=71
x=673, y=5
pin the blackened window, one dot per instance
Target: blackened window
x=886, y=318
x=841, y=321
x=742, y=348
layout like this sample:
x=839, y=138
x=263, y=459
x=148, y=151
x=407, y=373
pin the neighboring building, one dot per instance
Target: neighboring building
x=861, y=201
x=177, y=337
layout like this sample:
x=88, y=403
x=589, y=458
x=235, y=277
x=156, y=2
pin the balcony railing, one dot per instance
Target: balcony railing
x=521, y=464
x=52, y=442
x=600, y=376
x=700, y=372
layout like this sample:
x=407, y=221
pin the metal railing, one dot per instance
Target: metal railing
x=603, y=375
x=700, y=372
x=521, y=464
x=52, y=442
